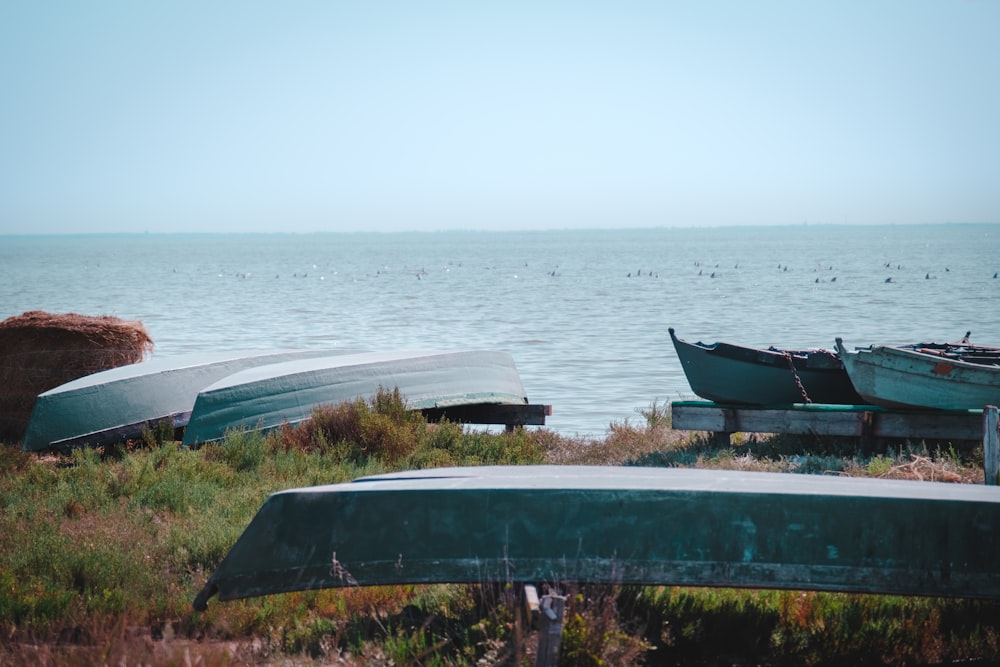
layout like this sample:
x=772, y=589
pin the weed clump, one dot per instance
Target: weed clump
x=594, y=632
x=381, y=428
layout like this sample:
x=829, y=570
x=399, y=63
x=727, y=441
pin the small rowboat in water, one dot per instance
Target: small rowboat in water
x=726, y=373
x=117, y=404
x=943, y=376
x=267, y=397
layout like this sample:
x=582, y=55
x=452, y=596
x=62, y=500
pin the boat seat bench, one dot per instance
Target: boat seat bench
x=866, y=422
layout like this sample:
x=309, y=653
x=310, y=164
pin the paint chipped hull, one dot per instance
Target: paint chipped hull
x=620, y=525
x=906, y=377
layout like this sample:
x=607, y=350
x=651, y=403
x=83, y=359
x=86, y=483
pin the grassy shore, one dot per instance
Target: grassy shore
x=103, y=551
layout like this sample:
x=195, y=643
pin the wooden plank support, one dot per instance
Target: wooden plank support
x=705, y=416
x=550, y=626
x=991, y=445
x=861, y=421
x=508, y=414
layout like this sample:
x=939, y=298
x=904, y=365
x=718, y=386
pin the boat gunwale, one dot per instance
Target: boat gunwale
x=772, y=356
x=905, y=352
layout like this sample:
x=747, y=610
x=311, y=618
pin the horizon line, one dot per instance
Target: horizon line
x=460, y=230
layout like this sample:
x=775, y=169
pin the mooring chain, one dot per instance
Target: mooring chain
x=791, y=365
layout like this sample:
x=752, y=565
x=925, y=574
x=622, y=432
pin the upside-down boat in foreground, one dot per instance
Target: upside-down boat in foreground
x=267, y=397
x=117, y=404
x=943, y=376
x=632, y=525
x=726, y=373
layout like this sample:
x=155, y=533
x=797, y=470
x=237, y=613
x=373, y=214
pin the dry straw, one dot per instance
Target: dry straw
x=39, y=351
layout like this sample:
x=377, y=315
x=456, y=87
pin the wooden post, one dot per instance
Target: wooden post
x=531, y=605
x=867, y=439
x=721, y=439
x=550, y=625
x=730, y=420
x=991, y=445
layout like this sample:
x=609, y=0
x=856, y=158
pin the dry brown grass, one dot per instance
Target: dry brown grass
x=920, y=467
x=133, y=647
x=625, y=442
x=917, y=461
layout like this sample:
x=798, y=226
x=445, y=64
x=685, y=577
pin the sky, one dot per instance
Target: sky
x=327, y=115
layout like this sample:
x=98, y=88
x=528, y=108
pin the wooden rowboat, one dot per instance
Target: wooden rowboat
x=726, y=373
x=267, y=397
x=657, y=526
x=117, y=404
x=928, y=375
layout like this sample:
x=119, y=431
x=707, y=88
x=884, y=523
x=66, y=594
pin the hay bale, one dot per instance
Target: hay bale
x=39, y=351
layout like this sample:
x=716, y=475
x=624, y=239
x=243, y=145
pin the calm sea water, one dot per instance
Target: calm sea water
x=584, y=313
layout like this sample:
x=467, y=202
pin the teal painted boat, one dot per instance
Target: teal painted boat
x=657, y=526
x=925, y=376
x=726, y=373
x=117, y=404
x=267, y=397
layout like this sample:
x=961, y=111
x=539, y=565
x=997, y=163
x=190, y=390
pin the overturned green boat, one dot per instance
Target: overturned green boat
x=267, y=397
x=620, y=525
x=117, y=404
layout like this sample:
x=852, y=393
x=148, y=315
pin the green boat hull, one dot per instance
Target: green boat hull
x=732, y=374
x=117, y=404
x=901, y=377
x=268, y=397
x=621, y=525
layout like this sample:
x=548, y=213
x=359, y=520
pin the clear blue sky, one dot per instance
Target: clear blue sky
x=176, y=116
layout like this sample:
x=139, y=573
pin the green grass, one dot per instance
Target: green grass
x=102, y=553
